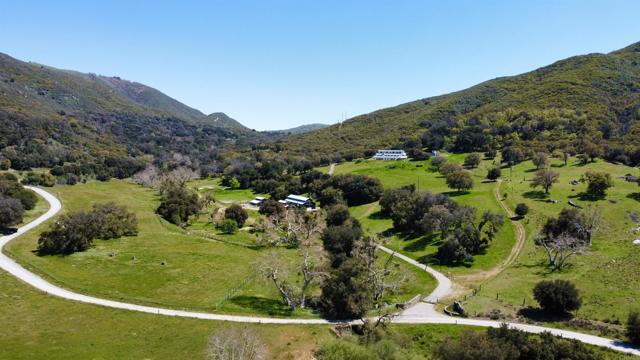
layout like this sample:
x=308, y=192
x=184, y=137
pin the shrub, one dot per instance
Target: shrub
x=452, y=253
x=356, y=189
x=76, y=232
x=337, y=215
x=557, y=296
x=522, y=209
x=229, y=226
x=633, y=328
x=178, y=204
x=494, y=173
x=271, y=207
x=598, y=182
x=5, y=164
x=11, y=212
x=472, y=160
x=437, y=162
x=348, y=292
x=330, y=196
x=237, y=213
x=342, y=350
x=460, y=180
x=39, y=179
x=113, y=221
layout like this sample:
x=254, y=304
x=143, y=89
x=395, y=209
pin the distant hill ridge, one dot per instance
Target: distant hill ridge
x=594, y=96
x=50, y=116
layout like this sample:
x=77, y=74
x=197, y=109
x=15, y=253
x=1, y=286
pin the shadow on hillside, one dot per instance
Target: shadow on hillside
x=535, y=195
x=557, y=165
x=537, y=314
x=263, y=305
x=377, y=216
x=634, y=196
x=431, y=260
x=422, y=243
x=531, y=170
x=584, y=196
x=453, y=194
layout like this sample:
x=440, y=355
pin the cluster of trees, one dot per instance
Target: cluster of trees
x=463, y=234
x=511, y=344
x=177, y=203
x=234, y=218
x=503, y=343
x=75, y=232
x=355, y=281
x=568, y=234
x=14, y=200
x=456, y=176
x=39, y=179
x=352, y=189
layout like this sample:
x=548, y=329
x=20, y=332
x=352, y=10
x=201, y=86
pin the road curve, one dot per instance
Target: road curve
x=407, y=317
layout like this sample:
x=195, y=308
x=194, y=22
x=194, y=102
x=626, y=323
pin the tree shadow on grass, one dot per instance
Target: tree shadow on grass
x=584, y=196
x=535, y=195
x=263, y=305
x=453, y=194
x=634, y=196
x=421, y=243
x=377, y=216
x=538, y=314
x=431, y=260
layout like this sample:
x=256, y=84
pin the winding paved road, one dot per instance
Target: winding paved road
x=421, y=313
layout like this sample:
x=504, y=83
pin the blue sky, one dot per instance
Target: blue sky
x=279, y=64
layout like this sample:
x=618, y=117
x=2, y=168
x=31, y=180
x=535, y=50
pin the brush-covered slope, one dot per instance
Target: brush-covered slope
x=49, y=117
x=222, y=120
x=595, y=96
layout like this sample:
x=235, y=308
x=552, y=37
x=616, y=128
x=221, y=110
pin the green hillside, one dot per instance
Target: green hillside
x=594, y=97
x=53, y=117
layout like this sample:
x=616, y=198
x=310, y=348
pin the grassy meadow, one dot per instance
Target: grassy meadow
x=394, y=174
x=607, y=274
x=214, y=273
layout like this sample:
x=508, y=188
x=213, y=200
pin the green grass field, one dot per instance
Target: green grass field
x=608, y=274
x=398, y=173
x=199, y=272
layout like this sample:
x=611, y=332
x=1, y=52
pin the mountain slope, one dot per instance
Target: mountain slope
x=299, y=129
x=597, y=95
x=50, y=117
x=222, y=120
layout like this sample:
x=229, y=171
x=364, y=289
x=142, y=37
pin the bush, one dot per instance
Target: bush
x=342, y=350
x=356, y=189
x=112, y=221
x=39, y=179
x=237, y=213
x=69, y=234
x=494, y=173
x=522, y=209
x=337, y=215
x=330, y=196
x=11, y=212
x=178, y=204
x=437, y=162
x=557, y=297
x=5, y=164
x=633, y=328
x=472, y=160
x=460, y=180
x=348, y=292
x=453, y=253
x=272, y=207
x=229, y=226
x=76, y=232
x=598, y=183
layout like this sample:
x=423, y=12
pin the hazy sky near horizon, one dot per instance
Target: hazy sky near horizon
x=279, y=64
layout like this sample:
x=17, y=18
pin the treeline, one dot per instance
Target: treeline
x=462, y=232
x=14, y=201
x=76, y=232
x=503, y=343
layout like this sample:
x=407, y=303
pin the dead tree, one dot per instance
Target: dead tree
x=560, y=248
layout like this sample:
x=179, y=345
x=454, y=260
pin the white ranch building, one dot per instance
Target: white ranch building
x=390, y=155
x=298, y=201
